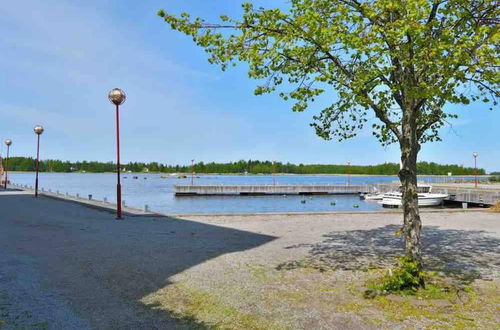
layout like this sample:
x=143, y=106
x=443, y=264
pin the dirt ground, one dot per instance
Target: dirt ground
x=66, y=266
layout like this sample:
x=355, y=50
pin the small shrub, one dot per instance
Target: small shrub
x=495, y=208
x=405, y=277
x=494, y=179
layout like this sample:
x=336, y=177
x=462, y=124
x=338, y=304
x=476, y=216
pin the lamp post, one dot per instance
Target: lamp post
x=348, y=173
x=192, y=171
x=118, y=97
x=38, y=131
x=274, y=172
x=475, y=154
x=8, y=142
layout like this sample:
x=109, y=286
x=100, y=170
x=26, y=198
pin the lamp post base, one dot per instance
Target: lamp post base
x=119, y=202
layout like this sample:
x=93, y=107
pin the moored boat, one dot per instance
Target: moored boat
x=372, y=196
x=425, y=197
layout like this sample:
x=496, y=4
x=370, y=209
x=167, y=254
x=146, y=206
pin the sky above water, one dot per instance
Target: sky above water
x=59, y=59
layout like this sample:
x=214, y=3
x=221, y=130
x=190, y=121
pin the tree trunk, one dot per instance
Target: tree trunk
x=408, y=176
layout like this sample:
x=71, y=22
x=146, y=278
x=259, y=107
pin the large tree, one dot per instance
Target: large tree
x=399, y=61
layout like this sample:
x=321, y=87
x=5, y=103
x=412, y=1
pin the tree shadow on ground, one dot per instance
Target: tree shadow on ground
x=103, y=268
x=470, y=252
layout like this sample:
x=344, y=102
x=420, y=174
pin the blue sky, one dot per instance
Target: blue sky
x=59, y=58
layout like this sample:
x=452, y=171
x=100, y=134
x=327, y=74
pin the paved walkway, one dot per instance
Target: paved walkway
x=67, y=266
x=71, y=267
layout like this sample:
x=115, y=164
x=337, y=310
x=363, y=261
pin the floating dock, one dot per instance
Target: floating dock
x=478, y=196
x=457, y=194
x=257, y=190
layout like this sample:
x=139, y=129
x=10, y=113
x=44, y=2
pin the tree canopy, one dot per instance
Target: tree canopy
x=393, y=64
x=384, y=55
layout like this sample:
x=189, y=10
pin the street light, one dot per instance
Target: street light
x=475, y=154
x=38, y=131
x=8, y=142
x=118, y=97
x=192, y=171
x=274, y=173
x=348, y=173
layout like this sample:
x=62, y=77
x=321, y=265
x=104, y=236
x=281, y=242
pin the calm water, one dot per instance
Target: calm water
x=156, y=192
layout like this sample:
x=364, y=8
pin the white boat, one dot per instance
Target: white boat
x=375, y=195
x=372, y=196
x=425, y=197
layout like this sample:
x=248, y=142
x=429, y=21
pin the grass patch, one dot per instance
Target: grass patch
x=433, y=308
x=198, y=309
x=266, y=298
x=404, y=280
x=444, y=303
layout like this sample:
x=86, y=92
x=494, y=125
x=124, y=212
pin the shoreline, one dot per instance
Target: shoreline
x=263, y=174
x=136, y=212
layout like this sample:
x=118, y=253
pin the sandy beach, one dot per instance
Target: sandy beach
x=68, y=266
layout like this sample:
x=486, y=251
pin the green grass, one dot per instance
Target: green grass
x=442, y=304
x=291, y=295
x=199, y=309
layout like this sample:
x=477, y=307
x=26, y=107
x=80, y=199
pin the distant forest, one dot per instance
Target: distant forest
x=242, y=166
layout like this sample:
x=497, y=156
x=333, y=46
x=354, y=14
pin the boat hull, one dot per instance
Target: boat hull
x=372, y=197
x=429, y=200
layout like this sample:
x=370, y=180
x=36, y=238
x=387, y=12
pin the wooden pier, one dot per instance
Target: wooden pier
x=457, y=193
x=256, y=190
x=478, y=195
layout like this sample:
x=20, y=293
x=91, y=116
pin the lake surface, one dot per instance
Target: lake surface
x=158, y=194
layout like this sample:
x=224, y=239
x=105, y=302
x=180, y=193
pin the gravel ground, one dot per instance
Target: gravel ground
x=66, y=266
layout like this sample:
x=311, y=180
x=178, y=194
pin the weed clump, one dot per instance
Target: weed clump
x=495, y=208
x=406, y=277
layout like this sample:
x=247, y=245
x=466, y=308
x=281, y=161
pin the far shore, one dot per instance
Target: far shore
x=263, y=174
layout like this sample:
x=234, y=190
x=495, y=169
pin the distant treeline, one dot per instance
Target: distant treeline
x=242, y=166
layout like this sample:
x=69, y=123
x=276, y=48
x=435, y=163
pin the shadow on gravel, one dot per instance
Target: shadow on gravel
x=103, y=267
x=460, y=252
